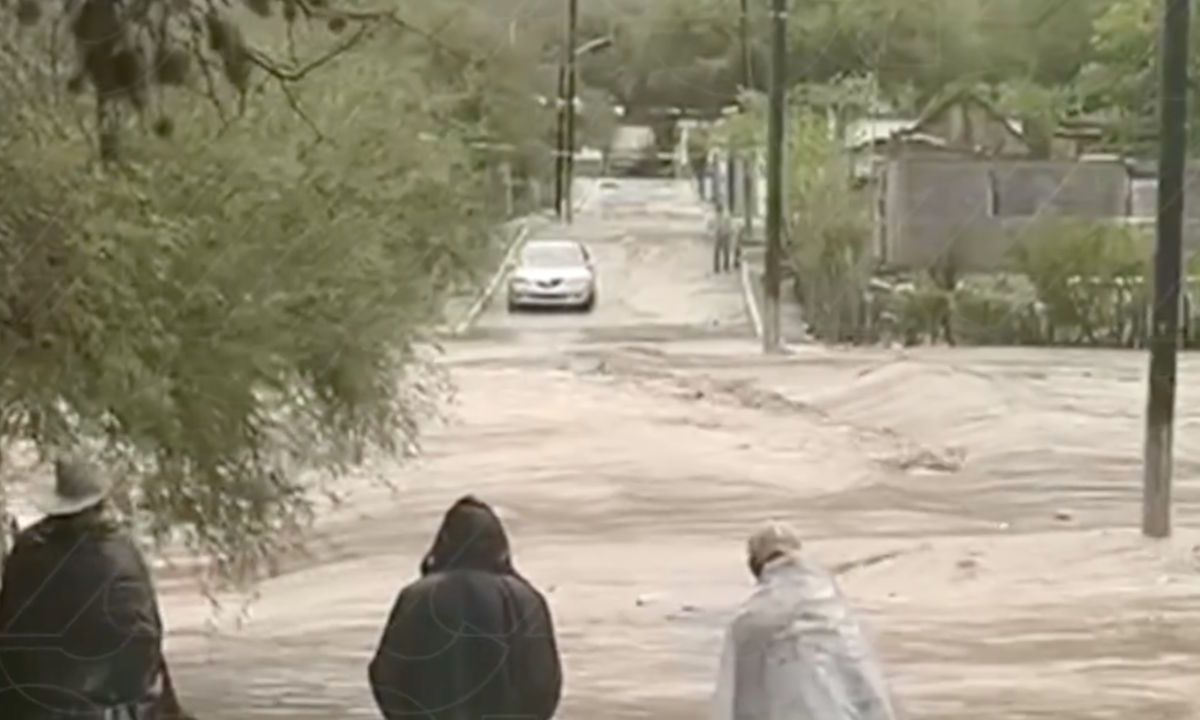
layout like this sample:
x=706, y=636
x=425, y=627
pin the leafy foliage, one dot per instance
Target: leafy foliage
x=484, y=84
x=127, y=54
x=1086, y=275
x=667, y=53
x=223, y=317
x=1121, y=77
x=997, y=310
x=1042, y=59
x=829, y=232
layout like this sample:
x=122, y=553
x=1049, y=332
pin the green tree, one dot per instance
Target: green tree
x=922, y=43
x=672, y=53
x=484, y=79
x=126, y=55
x=1120, y=81
x=221, y=316
x=1039, y=41
x=688, y=53
x=1040, y=108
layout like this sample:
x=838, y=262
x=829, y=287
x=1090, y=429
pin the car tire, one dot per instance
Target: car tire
x=590, y=305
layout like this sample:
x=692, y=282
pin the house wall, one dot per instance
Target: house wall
x=931, y=204
x=1144, y=201
x=1028, y=188
x=972, y=212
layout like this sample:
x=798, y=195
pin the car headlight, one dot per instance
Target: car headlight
x=518, y=284
x=580, y=284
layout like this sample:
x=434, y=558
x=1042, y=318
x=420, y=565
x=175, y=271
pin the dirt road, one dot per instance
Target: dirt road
x=654, y=273
x=630, y=466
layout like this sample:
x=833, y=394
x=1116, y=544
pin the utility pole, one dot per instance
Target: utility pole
x=560, y=136
x=509, y=196
x=744, y=31
x=772, y=340
x=1168, y=261
x=749, y=166
x=572, y=77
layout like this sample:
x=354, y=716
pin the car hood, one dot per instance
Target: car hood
x=561, y=273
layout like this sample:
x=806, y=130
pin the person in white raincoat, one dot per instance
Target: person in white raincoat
x=794, y=651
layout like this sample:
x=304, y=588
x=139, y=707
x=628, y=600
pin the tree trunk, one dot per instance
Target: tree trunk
x=108, y=130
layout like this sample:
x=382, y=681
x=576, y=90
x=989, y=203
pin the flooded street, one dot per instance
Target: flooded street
x=632, y=450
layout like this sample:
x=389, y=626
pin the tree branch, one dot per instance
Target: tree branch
x=379, y=16
x=291, y=75
x=210, y=82
x=294, y=102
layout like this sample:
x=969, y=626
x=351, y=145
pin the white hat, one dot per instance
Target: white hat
x=773, y=538
x=78, y=485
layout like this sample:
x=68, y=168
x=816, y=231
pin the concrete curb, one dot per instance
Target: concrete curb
x=750, y=298
x=489, y=290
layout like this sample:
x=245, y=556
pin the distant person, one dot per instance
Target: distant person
x=80, y=631
x=471, y=639
x=722, y=232
x=795, y=651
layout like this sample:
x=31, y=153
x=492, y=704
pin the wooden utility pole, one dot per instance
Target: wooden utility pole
x=509, y=196
x=1168, y=275
x=772, y=336
x=749, y=164
x=744, y=32
x=572, y=77
x=560, y=137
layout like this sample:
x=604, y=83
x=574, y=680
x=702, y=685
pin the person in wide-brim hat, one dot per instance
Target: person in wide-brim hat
x=77, y=568
x=78, y=486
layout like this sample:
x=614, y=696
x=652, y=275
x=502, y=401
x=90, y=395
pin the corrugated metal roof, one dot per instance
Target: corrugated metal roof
x=866, y=132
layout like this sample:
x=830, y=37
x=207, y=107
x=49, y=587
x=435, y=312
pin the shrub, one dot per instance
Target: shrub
x=831, y=228
x=911, y=310
x=1088, y=276
x=997, y=310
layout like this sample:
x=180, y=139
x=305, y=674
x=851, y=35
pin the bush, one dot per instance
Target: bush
x=1088, y=276
x=911, y=310
x=831, y=229
x=1001, y=310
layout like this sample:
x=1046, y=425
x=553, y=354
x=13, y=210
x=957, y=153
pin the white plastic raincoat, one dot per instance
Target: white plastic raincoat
x=795, y=652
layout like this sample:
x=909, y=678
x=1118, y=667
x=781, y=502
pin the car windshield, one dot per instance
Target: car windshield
x=552, y=255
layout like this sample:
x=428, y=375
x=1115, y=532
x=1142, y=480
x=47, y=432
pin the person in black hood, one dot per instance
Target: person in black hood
x=471, y=639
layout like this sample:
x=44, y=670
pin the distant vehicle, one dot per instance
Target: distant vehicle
x=553, y=274
x=589, y=162
x=633, y=151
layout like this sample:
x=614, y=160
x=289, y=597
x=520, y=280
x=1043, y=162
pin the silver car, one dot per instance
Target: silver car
x=552, y=274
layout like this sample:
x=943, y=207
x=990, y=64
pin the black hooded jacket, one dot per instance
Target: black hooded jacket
x=472, y=639
x=79, y=623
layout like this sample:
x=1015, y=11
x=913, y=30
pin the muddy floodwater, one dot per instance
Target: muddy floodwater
x=631, y=451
